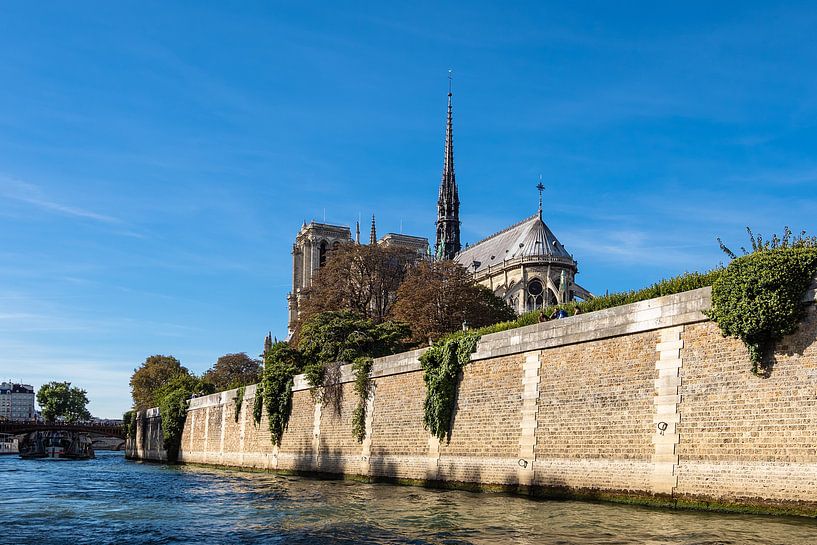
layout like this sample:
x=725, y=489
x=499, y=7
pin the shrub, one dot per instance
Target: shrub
x=759, y=297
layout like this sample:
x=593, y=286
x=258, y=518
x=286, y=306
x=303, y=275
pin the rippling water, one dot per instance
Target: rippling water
x=110, y=500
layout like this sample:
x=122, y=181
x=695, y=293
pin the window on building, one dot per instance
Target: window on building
x=535, y=298
x=322, y=253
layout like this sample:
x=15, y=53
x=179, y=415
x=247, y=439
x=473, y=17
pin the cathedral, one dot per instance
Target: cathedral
x=524, y=264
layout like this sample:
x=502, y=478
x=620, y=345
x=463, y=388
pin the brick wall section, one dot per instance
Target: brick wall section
x=213, y=444
x=297, y=438
x=199, y=422
x=744, y=436
x=489, y=399
x=596, y=403
x=339, y=451
x=296, y=450
x=485, y=440
x=232, y=429
x=256, y=436
x=399, y=441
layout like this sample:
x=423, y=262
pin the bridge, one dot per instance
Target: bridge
x=21, y=428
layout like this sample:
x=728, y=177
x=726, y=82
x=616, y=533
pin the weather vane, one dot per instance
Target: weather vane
x=450, y=80
x=541, y=187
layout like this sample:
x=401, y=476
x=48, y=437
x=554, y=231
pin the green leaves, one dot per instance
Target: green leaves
x=344, y=336
x=361, y=368
x=281, y=363
x=172, y=402
x=239, y=401
x=759, y=297
x=61, y=400
x=442, y=364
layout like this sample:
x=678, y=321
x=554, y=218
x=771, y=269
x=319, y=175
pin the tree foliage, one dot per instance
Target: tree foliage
x=59, y=400
x=149, y=377
x=362, y=279
x=436, y=298
x=129, y=424
x=172, y=400
x=344, y=336
x=233, y=370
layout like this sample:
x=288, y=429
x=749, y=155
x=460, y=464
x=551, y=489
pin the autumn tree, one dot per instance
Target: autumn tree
x=233, y=370
x=362, y=279
x=436, y=298
x=61, y=400
x=149, y=377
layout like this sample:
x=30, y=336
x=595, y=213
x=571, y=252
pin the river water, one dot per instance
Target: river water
x=111, y=500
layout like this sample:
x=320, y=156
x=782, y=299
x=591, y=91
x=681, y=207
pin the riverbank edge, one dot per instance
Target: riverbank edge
x=538, y=492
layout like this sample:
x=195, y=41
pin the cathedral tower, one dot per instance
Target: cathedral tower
x=448, y=202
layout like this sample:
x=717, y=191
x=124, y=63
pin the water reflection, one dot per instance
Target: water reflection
x=109, y=500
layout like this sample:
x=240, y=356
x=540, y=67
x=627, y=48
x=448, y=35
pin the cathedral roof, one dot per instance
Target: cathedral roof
x=530, y=238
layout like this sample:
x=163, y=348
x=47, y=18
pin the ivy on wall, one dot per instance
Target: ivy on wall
x=129, y=424
x=441, y=364
x=281, y=363
x=759, y=298
x=258, y=403
x=239, y=401
x=362, y=368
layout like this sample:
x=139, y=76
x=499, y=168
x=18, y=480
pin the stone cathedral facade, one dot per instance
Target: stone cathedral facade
x=524, y=264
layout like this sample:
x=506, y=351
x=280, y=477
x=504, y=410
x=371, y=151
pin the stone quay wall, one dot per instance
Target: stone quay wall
x=646, y=402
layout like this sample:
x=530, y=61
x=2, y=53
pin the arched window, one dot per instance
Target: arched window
x=322, y=253
x=535, y=297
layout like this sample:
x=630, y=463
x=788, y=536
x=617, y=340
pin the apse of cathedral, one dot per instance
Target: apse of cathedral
x=525, y=264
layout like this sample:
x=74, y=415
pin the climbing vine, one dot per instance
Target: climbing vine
x=239, y=401
x=442, y=363
x=281, y=363
x=129, y=424
x=258, y=403
x=362, y=368
x=759, y=297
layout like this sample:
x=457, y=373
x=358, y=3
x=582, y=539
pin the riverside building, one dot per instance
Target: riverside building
x=16, y=402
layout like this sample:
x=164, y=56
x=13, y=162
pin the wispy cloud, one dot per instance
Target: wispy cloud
x=641, y=246
x=20, y=191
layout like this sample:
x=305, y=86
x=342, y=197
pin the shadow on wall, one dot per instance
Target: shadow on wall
x=791, y=345
x=333, y=388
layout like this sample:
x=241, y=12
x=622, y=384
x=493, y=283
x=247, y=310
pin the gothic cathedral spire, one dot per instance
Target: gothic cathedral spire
x=448, y=202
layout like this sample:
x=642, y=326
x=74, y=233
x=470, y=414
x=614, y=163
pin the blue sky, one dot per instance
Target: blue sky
x=157, y=158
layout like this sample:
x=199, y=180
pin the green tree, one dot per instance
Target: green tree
x=436, y=298
x=172, y=398
x=345, y=336
x=61, y=400
x=149, y=377
x=233, y=370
